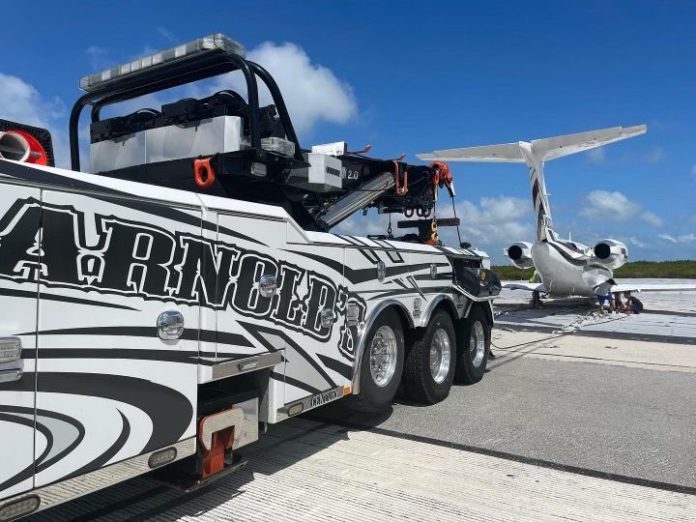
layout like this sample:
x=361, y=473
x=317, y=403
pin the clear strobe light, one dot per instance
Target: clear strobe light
x=19, y=508
x=10, y=349
x=200, y=46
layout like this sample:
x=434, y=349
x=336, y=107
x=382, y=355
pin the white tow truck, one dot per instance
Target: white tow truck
x=186, y=289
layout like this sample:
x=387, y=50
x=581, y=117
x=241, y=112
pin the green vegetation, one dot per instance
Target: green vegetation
x=510, y=273
x=683, y=269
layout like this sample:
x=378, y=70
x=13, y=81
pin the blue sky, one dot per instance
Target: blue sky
x=415, y=76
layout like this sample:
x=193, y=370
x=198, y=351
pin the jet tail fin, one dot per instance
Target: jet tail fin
x=534, y=153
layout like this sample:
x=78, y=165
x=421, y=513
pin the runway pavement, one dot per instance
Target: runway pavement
x=669, y=316
x=311, y=471
x=566, y=425
x=604, y=406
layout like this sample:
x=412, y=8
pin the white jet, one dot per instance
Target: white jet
x=563, y=267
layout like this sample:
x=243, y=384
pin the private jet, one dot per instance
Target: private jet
x=563, y=268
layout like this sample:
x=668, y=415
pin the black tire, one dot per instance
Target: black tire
x=470, y=368
x=419, y=383
x=373, y=397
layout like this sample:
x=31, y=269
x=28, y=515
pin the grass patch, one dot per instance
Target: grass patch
x=680, y=269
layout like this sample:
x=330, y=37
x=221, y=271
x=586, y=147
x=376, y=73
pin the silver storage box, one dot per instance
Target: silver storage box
x=204, y=138
x=120, y=153
x=324, y=175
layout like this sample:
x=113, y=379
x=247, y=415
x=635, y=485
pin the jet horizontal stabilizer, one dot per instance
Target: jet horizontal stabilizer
x=505, y=152
x=542, y=149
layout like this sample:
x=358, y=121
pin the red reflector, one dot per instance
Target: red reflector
x=36, y=153
x=19, y=142
x=18, y=145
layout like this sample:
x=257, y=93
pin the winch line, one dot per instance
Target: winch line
x=574, y=327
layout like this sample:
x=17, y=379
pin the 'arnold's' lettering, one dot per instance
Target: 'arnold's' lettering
x=47, y=242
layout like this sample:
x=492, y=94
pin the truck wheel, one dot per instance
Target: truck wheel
x=474, y=336
x=382, y=364
x=429, y=367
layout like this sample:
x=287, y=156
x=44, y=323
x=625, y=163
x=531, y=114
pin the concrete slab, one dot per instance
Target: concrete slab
x=629, y=412
x=571, y=347
x=309, y=471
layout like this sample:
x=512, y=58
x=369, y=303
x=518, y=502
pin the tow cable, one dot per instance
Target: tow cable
x=566, y=330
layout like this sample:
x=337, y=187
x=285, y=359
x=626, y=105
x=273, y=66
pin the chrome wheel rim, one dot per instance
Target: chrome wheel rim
x=477, y=343
x=383, y=351
x=440, y=355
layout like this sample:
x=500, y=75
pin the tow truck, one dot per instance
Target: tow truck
x=166, y=303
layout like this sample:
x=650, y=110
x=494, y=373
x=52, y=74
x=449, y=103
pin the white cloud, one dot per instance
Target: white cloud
x=373, y=223
x=602, y=204
x=655, y=155
x=597, y=155
x=166, y=34
x=22, y=103
x=312, y=92
x=98, y=57
x=609, y=205
x=637, y=242
x=495, y=221
x=652, y=219
x=684, y=238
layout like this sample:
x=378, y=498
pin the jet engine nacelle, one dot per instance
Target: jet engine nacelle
x=611, y=252
x=520, y=254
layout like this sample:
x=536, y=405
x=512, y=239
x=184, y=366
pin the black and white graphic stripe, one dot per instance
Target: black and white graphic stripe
x=125, y=199
x=169, y=410
x=363, y=275
x=190, y=334
x=294, y=354
x=60, y=441
x=57, y=447
x=392, y=252
x=46, y=296
x=368, y=253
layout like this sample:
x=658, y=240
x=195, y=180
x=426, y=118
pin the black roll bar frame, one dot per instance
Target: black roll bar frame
x=197, y=67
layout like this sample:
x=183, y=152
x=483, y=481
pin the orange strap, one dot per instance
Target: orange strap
x=203, y=173
x=442, y=172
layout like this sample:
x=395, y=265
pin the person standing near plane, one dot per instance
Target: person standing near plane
x=604, y=295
